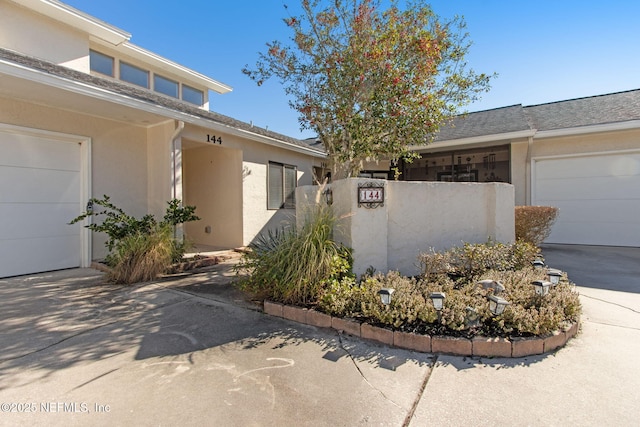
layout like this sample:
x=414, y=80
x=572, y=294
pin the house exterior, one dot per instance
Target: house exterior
x=580, y=155
x=85, y=113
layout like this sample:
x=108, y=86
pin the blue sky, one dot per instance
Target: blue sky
x=542, y=50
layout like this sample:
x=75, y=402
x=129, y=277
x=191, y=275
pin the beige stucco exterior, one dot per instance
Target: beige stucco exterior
x=133, y=165
x=118, y=153
x=23, y=31
x=415, y=217
x=140, y=153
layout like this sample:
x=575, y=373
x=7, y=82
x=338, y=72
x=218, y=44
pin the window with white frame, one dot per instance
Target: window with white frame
x=281, y=186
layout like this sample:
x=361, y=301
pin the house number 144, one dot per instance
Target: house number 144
x=214, y=139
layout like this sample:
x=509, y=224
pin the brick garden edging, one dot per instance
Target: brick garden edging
x=477, y=346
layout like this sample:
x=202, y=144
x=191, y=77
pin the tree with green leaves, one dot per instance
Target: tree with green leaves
x=371, y=82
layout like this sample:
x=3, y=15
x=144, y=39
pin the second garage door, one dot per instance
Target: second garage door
x=40, y=192
x=598, y=197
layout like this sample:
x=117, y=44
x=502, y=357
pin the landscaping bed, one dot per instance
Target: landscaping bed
x=475, y=293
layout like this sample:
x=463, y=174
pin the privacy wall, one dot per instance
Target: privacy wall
x=389, y=223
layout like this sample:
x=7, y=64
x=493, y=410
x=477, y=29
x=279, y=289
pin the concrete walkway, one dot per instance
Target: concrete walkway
x=189, y=350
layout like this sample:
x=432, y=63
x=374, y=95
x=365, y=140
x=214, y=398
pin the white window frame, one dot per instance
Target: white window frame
x=286, y=201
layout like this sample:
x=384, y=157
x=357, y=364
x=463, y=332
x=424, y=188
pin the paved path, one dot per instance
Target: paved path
x=191, y=351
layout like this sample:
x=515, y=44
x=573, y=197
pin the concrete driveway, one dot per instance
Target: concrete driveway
x=189, y=350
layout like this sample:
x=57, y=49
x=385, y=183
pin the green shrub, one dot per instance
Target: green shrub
x=293, y=265
x=533, y=223
x=466, y=306
x=139, y=249
x=470, y=260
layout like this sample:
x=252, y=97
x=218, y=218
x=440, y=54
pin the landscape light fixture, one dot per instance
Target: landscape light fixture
x=438, y=299
x=497, y=304
x=495, y=286
x=541, y=286
x=554, y=276
x=538, y=264
x=385, y=295
x=328, y=196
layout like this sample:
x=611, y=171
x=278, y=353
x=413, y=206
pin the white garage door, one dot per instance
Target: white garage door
x=598, y=197
x=40, y=192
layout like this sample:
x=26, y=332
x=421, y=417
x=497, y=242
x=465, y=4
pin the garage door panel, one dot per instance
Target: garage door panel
x=613, y=211
x=26, y=256
x=40, y=192
x=590, y=166
x=38, y=152
x=27, y=185
x=33, y=220
x=604, y=188
x=600, y=233
x=598, y=197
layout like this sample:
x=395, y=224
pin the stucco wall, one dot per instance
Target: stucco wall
x=159, y=183
x=36, y=35
x=251, y=179
x=417, y=216
x=441, y=215
x=213, y=183
x=587, y=143
x=519, y=171
x=257, y=218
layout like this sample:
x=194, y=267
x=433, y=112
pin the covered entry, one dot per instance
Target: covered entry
x=598, y=197
x=212, y=182
x=43, y=185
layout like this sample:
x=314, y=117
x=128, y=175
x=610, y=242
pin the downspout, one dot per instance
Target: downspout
x=174, y=163
x=528, y=172
x=178, y=232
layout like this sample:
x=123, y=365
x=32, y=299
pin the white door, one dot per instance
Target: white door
x=598, y=197
x=40, y=192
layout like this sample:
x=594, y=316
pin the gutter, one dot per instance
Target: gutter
x=476, y=140
x=37, y=76
x=580, y=130
x=174, y=163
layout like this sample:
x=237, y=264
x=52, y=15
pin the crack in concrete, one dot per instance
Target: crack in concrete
x=353, y=360
x=418, y=398
x=614, y=325
x=609, y=302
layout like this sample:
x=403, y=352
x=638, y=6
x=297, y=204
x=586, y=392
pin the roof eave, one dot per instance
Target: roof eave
x=476, y=140
x=175, y=68
x=581, y=130
x=86, y=89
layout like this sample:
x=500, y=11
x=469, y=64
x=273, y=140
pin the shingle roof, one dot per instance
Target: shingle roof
x=146, y=96
x=488, y=122
x=594, y=110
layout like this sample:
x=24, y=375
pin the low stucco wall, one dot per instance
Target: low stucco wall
x=415, y=217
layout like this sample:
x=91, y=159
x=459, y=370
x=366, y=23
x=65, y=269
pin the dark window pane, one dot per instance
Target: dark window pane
x=101, y=63
x=166, y=86
x=192, y=95
x=290, y=180
x=274, y=191
x=135, y=75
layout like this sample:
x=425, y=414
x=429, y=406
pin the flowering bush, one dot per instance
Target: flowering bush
x=466, y=310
